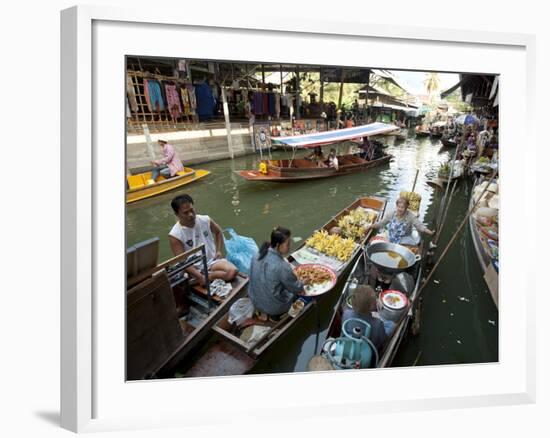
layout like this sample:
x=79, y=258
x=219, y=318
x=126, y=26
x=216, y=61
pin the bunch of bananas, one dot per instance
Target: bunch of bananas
x=414, y=200
x=354, y=224
x=332, y=245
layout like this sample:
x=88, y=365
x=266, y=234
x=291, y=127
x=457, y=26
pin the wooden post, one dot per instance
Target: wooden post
x=150, y=149
x=297, y=93
x=226, y=114
x=322, y=90
x=263, y=75
x=367, y=98
x=338, y=112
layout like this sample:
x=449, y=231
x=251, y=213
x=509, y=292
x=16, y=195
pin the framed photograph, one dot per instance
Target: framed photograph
x=157, y=142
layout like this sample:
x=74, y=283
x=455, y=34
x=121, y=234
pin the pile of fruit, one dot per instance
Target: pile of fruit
x=332, y=245
x=444, y=170
x=413, y=198
x=354, y=224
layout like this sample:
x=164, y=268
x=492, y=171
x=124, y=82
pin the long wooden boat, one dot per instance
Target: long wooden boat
x=482, y=244
x=230, y=355
x=158, y=338
x=141, y=186
x=448, y=142
x=422, y=131
x=300, y=169
x=364, y=272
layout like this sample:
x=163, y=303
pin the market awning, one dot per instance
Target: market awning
x=450, y=90
x=321, y=138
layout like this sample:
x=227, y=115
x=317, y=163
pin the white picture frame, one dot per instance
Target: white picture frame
x=92, y=41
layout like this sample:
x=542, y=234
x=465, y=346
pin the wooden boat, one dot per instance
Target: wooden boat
x=448, y=142
x=141, y=186
x=157, y=338
x=364, y=272
x=422, y=131
x=300, y=169
x=402, y=134
x=229, y=355
x=303, y=169
x=482, y=244
x=437, y=129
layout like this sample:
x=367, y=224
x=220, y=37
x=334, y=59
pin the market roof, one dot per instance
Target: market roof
x=321, y=138
x=478, y=89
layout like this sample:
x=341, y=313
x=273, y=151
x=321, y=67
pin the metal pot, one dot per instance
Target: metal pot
x=383, y=256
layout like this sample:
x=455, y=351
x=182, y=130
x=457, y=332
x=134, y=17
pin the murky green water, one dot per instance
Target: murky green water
x=459, y=320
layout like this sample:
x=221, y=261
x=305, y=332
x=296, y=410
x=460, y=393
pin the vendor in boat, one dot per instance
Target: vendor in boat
x=273, y=286
x=169, y=165
x=368, y=149
x=492, y=147
x=192, y=230
x=400, y=223
x=363, y=304
x=332, y=160
x=317, y=156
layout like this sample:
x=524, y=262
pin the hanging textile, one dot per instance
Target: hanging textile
x=131, y=92
x=258, y=103
x=192, y=99
x=265, y=100
x=205, y=101
x=277, y=105
x=185, y=101
x=173, y=100
x=153, y=95
x=271, y=103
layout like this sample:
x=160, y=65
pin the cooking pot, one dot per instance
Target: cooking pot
x=391, y=258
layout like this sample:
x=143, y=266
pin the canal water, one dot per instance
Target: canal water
x=459, y=321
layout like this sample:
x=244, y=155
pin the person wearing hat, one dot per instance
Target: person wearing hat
x=363, y=304
x=168, y=166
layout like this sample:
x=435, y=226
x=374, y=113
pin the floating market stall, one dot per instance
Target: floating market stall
x=299, y=169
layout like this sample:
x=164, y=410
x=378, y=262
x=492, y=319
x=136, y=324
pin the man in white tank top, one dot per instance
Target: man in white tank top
x=194, y=229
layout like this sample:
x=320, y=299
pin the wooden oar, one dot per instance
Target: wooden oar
x=444, y=218
x=470, y=211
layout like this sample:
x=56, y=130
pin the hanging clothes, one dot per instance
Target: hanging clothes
x=205, y=101
x=265, y=100
x=258, y=103
x=131, y=92
x=271, y=103
x=153, y=95
x=173, y=100
x=192, y=99
x=277, y=105
x=185, y=101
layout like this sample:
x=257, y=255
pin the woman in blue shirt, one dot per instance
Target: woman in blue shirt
x=273, y=286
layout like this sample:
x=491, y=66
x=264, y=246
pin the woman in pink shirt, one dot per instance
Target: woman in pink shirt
x=168, y=166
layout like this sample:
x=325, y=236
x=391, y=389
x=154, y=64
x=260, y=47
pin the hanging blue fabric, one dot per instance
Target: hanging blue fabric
x=205, y=101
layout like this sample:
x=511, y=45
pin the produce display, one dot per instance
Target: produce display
x=413, y=198
x=353, y=224
x=444, y=170
x=332, y=245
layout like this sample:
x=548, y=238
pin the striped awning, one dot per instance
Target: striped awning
x=321, y=138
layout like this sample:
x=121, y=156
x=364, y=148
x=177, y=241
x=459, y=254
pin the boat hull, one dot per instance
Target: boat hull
x=139, y=189
x=231, y=356
x=292, y=174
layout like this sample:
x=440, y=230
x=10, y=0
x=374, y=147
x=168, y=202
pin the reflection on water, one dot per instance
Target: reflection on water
x=454, y=330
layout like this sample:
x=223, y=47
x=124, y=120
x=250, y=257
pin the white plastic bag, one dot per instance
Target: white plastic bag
x=240, y=311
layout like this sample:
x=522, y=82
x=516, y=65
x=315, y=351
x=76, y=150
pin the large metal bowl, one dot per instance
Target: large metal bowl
x=375, y=253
